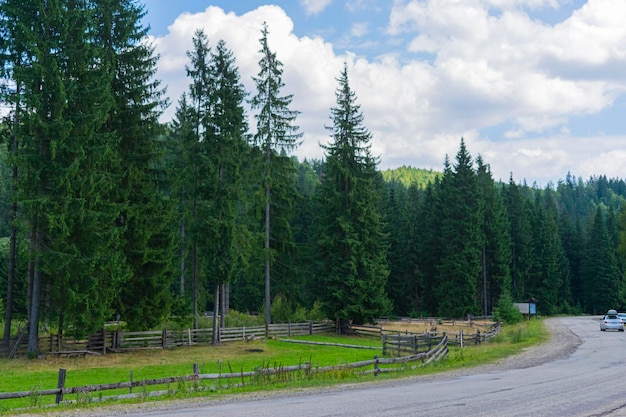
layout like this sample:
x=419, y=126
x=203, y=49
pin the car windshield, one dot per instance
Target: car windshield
x=611, y=317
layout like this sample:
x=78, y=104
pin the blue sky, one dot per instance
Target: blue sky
x=536, y=87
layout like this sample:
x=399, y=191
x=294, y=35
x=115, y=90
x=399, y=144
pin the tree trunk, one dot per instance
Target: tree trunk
x=182, y=259
x=194, y=295
x=33, y=323
x=223, y=306
x=216, y=310
x=8, y=312
x=268, y=319
x=484, y=262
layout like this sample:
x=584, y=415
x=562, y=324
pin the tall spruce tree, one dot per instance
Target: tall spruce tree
x=305, y=263
x=193, y=185
x=182, y=163
x=144, y=213
x=401, y=266
x=87, y=268
x=226, y=148
x=352, y=242
x=459, y=267
x=428, y=243
x=495, y=275
x=43, y=127
x=519, y=214
x=276, y=136
x=571, y=241
x=417, y=199
x=547, y=269
x=602, y=279
x=12, y=47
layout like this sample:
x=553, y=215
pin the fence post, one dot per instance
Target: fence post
x=384, y=344
x=60, y=385
x=131, y=382
x=196, y=370
x=399, y=344
x=478, y=337
x=289, y=328
x=310, y=327
x=461, y=338
x=415, y=345
x=376, y=370
x=164, y=339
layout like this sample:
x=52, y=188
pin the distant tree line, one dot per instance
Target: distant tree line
x=108, y=213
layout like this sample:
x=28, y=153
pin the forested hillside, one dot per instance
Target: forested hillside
x=107, y=213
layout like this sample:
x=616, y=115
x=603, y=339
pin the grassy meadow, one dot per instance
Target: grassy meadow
x=31, y=375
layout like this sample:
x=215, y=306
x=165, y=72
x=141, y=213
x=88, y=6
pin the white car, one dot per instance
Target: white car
x=611, y=321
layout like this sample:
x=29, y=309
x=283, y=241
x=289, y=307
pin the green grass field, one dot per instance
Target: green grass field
x=24, y=375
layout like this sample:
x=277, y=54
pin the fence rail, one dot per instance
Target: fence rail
x=106, y=341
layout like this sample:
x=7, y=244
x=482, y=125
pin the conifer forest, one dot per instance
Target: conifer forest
x=107, y=212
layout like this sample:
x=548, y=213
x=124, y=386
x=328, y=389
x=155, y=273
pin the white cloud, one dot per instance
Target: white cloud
x=487, y=69
x=313, y=7
x=549, y=159
x=359, y=29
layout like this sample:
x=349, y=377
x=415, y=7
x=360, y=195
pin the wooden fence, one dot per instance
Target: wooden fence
x=107, y=341
x=405, y=343
x=439, y=351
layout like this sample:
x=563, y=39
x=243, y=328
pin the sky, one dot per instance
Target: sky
x=537, y=88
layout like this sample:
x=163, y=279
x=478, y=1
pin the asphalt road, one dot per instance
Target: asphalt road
x=587, y=380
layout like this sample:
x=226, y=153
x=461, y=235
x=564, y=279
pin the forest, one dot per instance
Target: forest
x=107, y=213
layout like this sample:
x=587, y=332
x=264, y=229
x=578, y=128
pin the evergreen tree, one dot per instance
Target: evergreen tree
x=572, y=241
x=518, y=209
x=428, y=245
x=37, y=32
x=613, y=229
x=194, y=186
x=276, y=135
x=459, y=267
x=602, y=279
x=304, y=264
x=351, y=237
x=415, y=227
x=144, y=212
x=546, y=276
x=225, y=144
x=87, y=267
x=401, y=266
x=12, y=43
x=497, y=241
x=183, y=164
